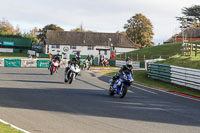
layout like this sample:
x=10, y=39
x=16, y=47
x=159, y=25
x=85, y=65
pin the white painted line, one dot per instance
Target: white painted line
x=167, y=92
x=143, y=89
x=14, y=126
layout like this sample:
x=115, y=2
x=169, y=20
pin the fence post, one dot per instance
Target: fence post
x=195, y=49
x=137, y=57
x=144, y=57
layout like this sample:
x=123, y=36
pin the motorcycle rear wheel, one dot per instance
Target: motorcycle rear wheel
x=111, y=92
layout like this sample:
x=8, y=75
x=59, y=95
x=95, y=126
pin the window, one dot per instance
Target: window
x=90, y=47
x=55, y=46
x=72, y=47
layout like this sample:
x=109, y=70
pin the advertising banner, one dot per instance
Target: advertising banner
x=8, y=43
x=43, y=63
x=29, y=63
x=1, y=62
x=64, y=63
x=12, y=62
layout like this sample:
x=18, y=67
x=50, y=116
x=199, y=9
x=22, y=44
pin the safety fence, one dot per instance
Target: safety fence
x=26, y=63
x=177, y=75
x=137, y=64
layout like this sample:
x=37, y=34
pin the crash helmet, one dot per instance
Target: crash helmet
x=128, y=63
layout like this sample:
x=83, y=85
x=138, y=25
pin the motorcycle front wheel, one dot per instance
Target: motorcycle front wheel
x=51, y=70
x=123, y=91
x=71, y=78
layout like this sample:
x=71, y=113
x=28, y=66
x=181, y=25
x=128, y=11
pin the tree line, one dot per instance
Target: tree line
x=138, y=28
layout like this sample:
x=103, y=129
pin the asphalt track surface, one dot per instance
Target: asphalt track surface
x=33, y=100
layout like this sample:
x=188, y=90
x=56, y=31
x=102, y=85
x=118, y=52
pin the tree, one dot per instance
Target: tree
x=43, y=31
x=17, y=31
x=191, y=15
x=140, y=30
x=52, y=27
x=80, y=29
x=6, y=28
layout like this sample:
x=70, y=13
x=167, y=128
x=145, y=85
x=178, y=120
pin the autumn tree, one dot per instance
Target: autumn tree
x=6, y=28
x=44, y=30
x=140, y=30
x=191, y=15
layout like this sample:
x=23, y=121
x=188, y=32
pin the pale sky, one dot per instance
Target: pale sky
x=96, y=15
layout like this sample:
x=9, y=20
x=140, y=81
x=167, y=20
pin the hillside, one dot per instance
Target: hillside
x=164, y=51
x=183, y=61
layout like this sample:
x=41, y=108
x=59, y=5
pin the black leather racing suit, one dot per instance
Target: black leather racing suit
x=122, y=70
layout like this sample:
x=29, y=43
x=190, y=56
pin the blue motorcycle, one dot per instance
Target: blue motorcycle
x=121, y=85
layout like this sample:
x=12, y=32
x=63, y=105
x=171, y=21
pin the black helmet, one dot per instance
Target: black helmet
x=128, y=63
x=128, y=59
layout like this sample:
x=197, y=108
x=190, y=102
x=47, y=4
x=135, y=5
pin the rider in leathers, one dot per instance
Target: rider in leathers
x=75, y=61
x=125, y=68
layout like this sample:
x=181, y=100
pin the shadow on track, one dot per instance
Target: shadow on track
x=42, y=74
x=93, y=103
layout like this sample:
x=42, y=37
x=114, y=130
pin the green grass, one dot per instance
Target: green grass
x=140, y=76
x=183, y=61
x=164, y=51
x=4, y=128
x=19, y=55
x=102, y=67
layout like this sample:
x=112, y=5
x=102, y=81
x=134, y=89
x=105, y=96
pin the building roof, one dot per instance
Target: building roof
x=192, y=32
x=88, y=39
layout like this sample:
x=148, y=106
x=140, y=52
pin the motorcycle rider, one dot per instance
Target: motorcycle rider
x=54, y=59
x=75, y=61
x=125, y=68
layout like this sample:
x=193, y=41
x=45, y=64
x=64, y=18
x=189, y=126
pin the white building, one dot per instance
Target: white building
x=88, y=43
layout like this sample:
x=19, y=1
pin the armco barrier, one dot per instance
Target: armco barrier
x=1, y=62
x=177, y=75
x=151, y=61
x=43, y=63
x=28, y=62
x=12, y=62
x=120, y=63
x=136, y=65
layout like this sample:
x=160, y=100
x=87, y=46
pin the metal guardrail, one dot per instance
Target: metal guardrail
x=177, y=75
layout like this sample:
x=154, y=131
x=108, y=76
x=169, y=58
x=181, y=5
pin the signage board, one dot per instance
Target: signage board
x=8, y=43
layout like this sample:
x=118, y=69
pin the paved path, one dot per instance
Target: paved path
x=32, y=99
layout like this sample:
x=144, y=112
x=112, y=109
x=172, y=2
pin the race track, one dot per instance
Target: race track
x=32, y=99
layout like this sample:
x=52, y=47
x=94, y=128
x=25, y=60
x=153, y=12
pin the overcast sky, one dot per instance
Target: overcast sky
x=95, y=15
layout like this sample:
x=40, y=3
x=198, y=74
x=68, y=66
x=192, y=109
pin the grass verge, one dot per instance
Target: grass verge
x=16, y=55
x=5, y=128
x=141, y=78
x=183, y=61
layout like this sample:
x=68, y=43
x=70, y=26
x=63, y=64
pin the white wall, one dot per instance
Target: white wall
x=84, y=50
x=123, y=50
x=9, y=50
